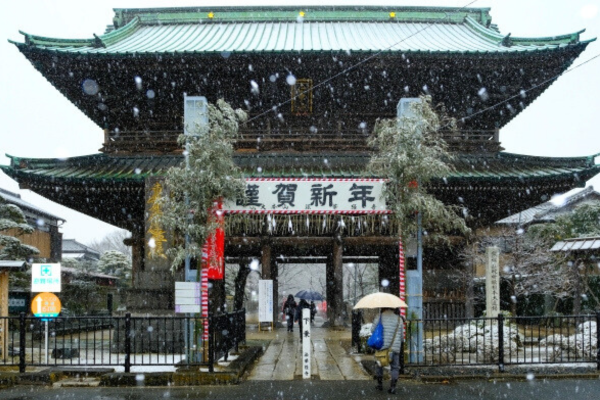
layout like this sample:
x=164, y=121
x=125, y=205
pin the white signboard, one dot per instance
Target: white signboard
x=310, y=196
x=306, y=343
x=492, y=281
x=45, y=278
x=187, y=297
x=265, y=300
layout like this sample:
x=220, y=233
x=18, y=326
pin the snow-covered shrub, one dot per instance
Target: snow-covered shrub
x=365, y=330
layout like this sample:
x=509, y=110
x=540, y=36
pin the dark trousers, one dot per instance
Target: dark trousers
x=290, y=322
x=394, y=367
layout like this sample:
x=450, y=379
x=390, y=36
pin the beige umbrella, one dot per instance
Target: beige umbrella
x=380, y=300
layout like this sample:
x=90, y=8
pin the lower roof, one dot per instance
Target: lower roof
x=491, y=167
x=111, y=188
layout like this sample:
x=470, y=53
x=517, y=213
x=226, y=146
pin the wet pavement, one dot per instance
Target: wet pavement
x=282, y=357
x=331, y=390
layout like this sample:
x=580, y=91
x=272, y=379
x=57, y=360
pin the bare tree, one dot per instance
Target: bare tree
x=112, y=241
x=527, y=266
x=362, y=277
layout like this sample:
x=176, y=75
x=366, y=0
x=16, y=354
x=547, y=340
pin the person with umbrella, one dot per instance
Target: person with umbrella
x=301, y=305
x=393, y=332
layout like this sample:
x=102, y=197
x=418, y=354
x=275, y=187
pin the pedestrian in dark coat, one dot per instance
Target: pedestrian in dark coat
x=313, y=311
x=289, y=310
x=302, y=305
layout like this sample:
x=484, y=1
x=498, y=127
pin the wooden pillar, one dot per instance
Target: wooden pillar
x=216, y=296
x=330, y=290
x=136, y=241
x=276, y=308
x=4, y=313
x=338, y=283
x=389, y=269
x=265, y=260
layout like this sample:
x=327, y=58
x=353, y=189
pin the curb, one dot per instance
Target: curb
x=8, y=379
x=117, y=379
x=454, y=374
x=232, y=374
x=185, y=376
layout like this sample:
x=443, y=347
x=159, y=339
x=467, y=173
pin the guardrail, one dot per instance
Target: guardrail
x=114, y=341
x=501, y=341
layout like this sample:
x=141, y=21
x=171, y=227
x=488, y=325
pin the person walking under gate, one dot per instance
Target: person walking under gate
x=302, y=305
x=393, y=336
x=289, y=310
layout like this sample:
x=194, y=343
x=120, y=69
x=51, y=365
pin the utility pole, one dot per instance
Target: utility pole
x=195, y=123
x=414, y=277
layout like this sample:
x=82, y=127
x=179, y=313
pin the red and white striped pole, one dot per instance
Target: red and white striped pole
x=204, y=291
x=401, y=275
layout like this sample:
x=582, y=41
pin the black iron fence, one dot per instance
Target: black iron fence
x=115, y=341
x=501, y=341
x=227, y=331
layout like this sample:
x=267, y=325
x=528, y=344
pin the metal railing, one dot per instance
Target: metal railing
x=226, y=332
x=501, y=341
x=113, y=341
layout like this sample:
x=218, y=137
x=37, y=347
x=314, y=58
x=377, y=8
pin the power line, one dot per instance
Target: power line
x=523, y=91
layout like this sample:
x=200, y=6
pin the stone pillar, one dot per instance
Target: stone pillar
x=153, y=282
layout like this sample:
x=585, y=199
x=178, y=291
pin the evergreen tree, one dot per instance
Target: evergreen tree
x=211, y=175
x=583, y=221
x=410, y=153
x=12, y=225
x=115, y=263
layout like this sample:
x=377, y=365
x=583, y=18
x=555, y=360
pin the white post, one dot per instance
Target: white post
x=46, y=345
x=306, y=343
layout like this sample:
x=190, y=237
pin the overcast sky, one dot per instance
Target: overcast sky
x=37, y=121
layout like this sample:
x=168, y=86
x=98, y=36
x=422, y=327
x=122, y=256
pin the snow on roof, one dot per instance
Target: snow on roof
x=547, y=212
x=15, y=199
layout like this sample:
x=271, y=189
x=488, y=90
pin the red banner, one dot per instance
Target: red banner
x=213, y=251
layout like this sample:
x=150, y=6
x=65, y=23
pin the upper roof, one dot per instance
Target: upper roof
x=494, y=167
x=548, y=211
x=15, y=198
x=73, y=246
x=307, y=29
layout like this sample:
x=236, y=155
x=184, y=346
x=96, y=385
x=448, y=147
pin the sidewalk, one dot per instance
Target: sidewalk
x=282, y=358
